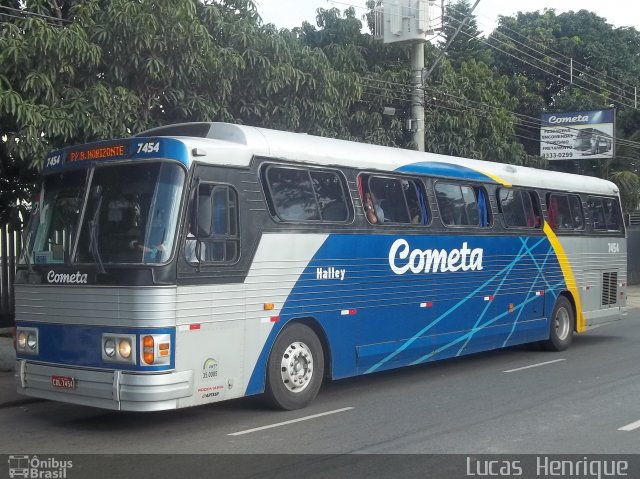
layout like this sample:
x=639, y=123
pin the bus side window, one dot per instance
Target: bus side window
x=577, y=216
x=292, y=194
x=605, y=214
x=565, y=212
x=612, y=214
x=392, y=200
x=213, y=234
x=559, y=214
x=330, y=194
x=533, y=211
x=462, y=205
x=519, y=208
x=418, y=211
x=306, y=194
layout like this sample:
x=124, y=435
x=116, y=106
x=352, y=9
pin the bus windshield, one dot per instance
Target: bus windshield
x=130, y=215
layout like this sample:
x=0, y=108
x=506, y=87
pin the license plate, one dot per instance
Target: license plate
x=63, y=382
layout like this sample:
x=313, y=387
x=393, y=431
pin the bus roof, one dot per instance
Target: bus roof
x=289, y=146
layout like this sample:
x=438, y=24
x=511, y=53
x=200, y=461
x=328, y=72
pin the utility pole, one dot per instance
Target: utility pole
x=409, y=22
x=417, y=95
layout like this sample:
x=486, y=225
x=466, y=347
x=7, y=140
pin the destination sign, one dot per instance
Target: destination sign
x=143, y=148
x=98, y=152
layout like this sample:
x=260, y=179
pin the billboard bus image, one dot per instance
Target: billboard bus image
x=591, y=141
x=201, y=262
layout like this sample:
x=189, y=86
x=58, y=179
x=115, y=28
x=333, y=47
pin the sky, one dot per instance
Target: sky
x=620, y=13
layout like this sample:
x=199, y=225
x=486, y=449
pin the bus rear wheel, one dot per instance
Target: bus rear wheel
x=561, y=326
x=295, y=368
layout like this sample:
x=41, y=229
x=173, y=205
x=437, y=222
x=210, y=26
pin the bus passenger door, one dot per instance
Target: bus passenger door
x=211, y=306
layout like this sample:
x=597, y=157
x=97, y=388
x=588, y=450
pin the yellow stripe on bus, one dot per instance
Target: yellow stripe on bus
x=567, y=272
x=495, y=178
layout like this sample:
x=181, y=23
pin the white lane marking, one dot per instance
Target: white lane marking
x=284, y=423
x=533, y=365
x=630, y=427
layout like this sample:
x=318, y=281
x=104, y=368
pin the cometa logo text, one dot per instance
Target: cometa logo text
x=568, y=119
x=67, y=278
x=433, y=260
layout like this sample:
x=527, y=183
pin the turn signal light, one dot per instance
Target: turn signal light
x=148, y=349
x=155, y=349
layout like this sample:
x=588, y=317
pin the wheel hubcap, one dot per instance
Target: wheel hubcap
x=296, y=367
x=562, y=324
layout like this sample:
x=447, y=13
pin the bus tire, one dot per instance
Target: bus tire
x=295, y=368
x=561, y=326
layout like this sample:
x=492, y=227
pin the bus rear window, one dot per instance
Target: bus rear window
x=604, y=213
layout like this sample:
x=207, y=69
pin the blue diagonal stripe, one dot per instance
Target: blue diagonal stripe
x=446, y=313
x=535, y=263
x=488, y=305
x=533, y=285
x=464, y=336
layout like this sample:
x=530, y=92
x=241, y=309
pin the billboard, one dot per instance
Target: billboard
x=577, y=135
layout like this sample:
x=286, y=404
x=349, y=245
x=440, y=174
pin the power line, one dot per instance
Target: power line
x=525, y=120
x=450, y=41
x=496, y=31
x=549, y=72
x=571, y=67
x=26, y=13
x=533, y=121
x=557, y=76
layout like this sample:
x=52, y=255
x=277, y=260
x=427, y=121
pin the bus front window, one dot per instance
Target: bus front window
x=131, y=214
x=130, y=217
x=53, y=227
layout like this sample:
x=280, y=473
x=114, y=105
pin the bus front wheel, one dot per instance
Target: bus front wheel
x=295, y=368
x=561, y=326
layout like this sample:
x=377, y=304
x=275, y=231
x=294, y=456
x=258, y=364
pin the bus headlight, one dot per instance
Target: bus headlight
x=22, y=340
x=124, y=348
x=27, y=340
x=118, y=348
x=110, y=347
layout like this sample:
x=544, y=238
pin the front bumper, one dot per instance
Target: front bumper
x=119, y=390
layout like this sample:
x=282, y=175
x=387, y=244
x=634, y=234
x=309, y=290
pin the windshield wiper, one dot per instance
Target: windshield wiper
x=93, y=234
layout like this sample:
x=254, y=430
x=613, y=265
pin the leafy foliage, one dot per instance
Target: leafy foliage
x=629, y=185
x=79, y=70
x=467, y=45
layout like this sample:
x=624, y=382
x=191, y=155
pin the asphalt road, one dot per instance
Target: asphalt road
x=577, y=401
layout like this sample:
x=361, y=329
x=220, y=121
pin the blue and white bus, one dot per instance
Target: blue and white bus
x=201, y=262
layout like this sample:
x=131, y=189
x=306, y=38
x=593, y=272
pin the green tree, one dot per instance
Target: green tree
x=467, y=44
x=629, y=185
x=541, y=48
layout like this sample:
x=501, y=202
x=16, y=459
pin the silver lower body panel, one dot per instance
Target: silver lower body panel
x=604, y=316
x=119, y=390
